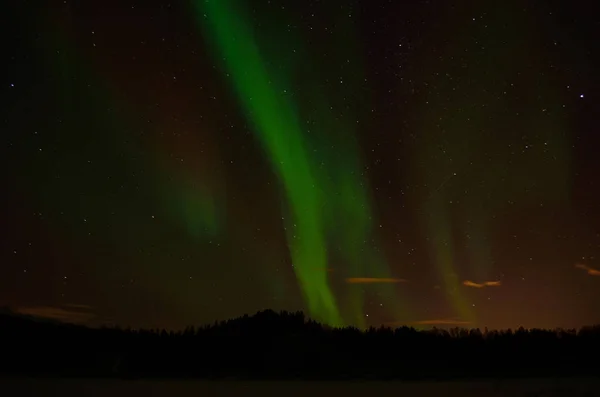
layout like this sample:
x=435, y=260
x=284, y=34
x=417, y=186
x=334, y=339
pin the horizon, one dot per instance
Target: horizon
x=417, y=325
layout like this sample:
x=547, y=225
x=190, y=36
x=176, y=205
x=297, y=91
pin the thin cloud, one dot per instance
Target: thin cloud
x=469, y=283
x=57, y=313
x=374, y=280
x=589, y=270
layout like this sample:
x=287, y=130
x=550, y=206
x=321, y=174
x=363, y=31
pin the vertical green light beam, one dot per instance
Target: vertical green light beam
x=276, y=124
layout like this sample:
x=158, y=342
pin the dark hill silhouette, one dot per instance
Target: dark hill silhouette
x=287, y=345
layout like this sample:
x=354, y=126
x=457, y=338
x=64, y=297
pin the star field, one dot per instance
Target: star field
x=421, y=163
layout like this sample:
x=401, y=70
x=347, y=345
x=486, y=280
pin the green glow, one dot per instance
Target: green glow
x=201, y=212
x=277, y=125
x=193, y=198
x=316, y=159
x=473, y=166
x=441, y=249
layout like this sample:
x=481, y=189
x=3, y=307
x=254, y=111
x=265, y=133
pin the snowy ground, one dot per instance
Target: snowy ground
x=117, y=388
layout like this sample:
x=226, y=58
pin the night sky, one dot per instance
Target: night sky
x=425, y=163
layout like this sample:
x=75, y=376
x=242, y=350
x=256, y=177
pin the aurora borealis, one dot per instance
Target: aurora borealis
x=420, y=163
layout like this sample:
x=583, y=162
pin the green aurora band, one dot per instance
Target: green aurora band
x=326, y=200
x=273, y=115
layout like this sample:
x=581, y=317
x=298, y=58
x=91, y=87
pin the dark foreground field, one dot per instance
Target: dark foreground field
x=116, y=388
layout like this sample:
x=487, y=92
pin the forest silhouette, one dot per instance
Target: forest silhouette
x=287, y=345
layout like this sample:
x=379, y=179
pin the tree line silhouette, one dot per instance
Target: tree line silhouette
x=287, y=345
